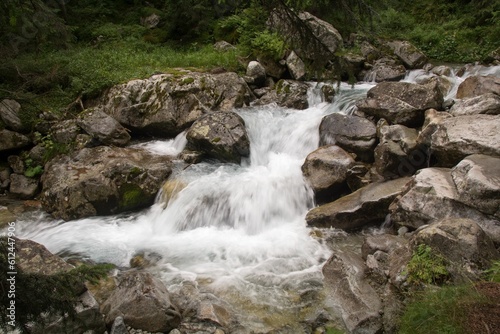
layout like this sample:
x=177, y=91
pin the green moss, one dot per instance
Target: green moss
x=187, y=81
x=132, y=196
x=216, y=140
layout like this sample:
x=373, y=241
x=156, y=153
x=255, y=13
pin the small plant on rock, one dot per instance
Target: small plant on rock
x=426, y=267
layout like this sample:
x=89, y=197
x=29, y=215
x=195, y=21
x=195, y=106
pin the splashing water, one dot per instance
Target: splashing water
x=235, y=230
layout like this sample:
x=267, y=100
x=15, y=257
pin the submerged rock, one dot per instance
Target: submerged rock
x=102, y=181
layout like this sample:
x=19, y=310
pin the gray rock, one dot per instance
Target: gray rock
x=365, y=206
x=349, y=292
x=397, y=154
x=488, y=103
x=102, y=181
x=402, y=102
x=119, y=326
x=323, y=31
x=166, y=104
x=16, y=163
x=10, y=115
x=326, y=170
x=23, y=187
x=221, y=135
x=408, y=53
x=385, y=69
x=257, y=72
x=463, y=243
x=151, y=21
x=353, y=134
x=477, y=179
x=34, y=258
x=450, y=139
x=287, y=93
x=296, y=66
x=143, y=302
x=478, y=85
x=223, y=46
x=432, y=195
x=65, y=132
x=10, y=140
x=381, y=242
x=103, y=127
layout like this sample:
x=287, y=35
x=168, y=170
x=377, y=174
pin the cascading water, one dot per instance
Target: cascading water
x=237, y=231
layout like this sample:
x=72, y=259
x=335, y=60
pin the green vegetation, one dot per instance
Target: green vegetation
x=56, y=53
x=493, y=273
x=426, y=266
x=454, y=31
x=37, y=295
x=439, y=310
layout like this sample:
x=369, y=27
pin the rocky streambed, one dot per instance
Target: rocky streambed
x=264, y=208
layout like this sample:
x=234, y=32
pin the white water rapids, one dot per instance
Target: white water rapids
x=237, y=231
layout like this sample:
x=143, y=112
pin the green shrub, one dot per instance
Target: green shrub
x=426, y=266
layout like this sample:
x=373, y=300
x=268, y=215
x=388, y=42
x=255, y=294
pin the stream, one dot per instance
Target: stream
x=236, y=231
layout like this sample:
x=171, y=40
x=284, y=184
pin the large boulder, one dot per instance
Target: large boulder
x=348, y=291
x=23, y=187
x=287, y=93
x=397, y=154
x=166, y=104
x=33, y=258
x=478, y=85
x=144, y=303
x=450, y=139
x=408, y=54
x=385, y=69
x=477, y=179
x=295, y=66
x=103, y=127
x=402, y=102
x=220, y=135
x=327, y=170
x=354, y=134
x=468, y=249
x=432, y=195
x=65, y=132
x=257, y=72
x=102, y=181
x=365, y=206
x=319, y=40
x=10, y=113
x=10, y=140
x=488, y=103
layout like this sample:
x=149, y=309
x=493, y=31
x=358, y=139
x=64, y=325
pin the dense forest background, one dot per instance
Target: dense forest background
x=56, y=52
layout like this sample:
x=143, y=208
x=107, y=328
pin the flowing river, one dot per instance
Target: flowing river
x=237, y=231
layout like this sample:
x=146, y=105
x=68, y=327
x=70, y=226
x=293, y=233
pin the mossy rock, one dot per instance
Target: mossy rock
x=132, y=196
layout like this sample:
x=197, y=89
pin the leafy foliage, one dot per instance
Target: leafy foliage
x=37, y=295
x=426, y=266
